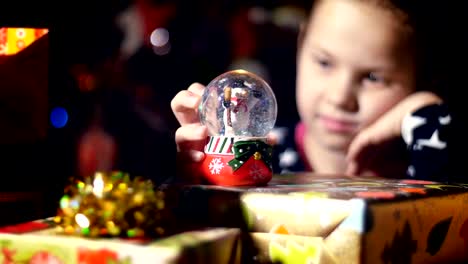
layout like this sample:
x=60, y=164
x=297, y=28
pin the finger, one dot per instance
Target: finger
x=369, y=143
x=190, y=156
x=191, y=137
x=197, y=88
x=352, y=168
x=185, y=104
x=378, y=133
x=357, y=146
x=364, y=163
x=361, y=150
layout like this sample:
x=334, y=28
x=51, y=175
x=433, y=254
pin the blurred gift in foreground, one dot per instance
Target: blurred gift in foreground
x=37, y=242
x=116, y=218
x=306, y=218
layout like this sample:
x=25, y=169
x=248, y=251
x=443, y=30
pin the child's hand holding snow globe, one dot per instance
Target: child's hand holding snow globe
x=239, y=109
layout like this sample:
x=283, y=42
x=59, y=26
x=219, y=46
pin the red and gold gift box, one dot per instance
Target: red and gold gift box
x=39, y=242
x=13, y=40
x=308, y=218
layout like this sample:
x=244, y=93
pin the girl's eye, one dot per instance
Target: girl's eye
x=372, y=77
x=323, y=63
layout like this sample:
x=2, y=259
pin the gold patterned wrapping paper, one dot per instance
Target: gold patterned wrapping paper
x=344, y=220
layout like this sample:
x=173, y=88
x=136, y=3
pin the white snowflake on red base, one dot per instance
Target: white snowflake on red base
x=216, y=165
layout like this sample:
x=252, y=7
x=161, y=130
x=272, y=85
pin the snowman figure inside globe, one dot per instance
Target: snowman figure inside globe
x=239, y=109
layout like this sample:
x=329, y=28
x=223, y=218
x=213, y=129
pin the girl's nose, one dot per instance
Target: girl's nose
x=342, y=93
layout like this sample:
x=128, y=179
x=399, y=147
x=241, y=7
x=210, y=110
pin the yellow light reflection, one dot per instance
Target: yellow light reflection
x=98, y=185
x=82, y=220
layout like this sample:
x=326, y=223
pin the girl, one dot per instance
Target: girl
x=357, y=93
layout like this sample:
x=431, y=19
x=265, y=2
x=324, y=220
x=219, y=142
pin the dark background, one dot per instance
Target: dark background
x=132, y=93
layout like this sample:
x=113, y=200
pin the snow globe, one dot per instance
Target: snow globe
x=239, y=109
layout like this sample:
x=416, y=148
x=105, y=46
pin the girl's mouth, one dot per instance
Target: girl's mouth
x=337, y=125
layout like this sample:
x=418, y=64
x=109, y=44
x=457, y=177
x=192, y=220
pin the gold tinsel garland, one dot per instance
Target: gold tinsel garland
x=112, y=205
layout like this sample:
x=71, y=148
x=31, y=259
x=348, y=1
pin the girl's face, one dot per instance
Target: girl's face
x=355, y=62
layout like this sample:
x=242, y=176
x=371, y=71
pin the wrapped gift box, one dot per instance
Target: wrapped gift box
x=39, y=242
x=340, y=219
x=13, y=40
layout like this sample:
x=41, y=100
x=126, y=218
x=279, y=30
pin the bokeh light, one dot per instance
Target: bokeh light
x=59, y=117
x=159, y=37
x=160, y=41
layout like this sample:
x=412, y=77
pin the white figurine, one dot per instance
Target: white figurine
x=238, y=103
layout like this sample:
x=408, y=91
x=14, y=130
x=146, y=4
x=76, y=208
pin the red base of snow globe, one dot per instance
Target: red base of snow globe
x=237, y=161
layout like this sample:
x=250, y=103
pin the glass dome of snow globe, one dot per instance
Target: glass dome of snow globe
x=238, y=103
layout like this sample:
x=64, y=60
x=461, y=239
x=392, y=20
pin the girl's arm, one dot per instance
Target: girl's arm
x=422, y=121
